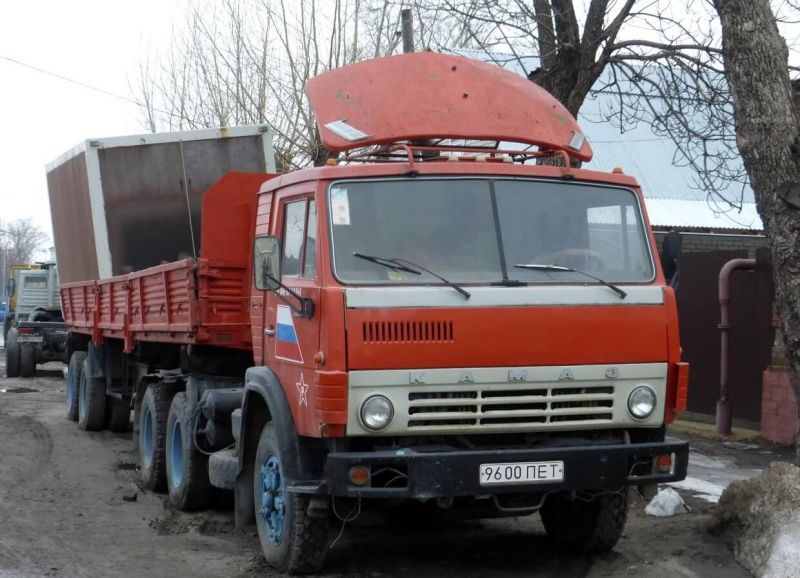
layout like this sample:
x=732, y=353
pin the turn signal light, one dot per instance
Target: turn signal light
x=664, y=463
x=359, y=475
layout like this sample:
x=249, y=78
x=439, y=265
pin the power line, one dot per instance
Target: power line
x=71, y=80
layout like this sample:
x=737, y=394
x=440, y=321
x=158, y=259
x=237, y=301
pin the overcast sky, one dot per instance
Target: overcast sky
x=96, y=42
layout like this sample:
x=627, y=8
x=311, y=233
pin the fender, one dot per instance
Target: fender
x=264, y=401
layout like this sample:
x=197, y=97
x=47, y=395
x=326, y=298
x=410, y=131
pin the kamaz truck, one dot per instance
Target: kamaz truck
x=454, y=313
x=34, y=329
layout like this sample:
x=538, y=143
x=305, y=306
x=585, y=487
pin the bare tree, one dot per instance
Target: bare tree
x=19, y=241
x=247, y=61
x=766, y=125
x=657, y=62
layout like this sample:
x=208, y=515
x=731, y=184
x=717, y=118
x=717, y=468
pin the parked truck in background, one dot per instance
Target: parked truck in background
x=35, y=331
x=427, y=320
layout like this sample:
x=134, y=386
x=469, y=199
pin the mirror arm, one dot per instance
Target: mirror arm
x=306, y=308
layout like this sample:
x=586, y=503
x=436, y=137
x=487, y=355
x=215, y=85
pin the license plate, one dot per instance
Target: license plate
x=30, y=338
x=521, y=473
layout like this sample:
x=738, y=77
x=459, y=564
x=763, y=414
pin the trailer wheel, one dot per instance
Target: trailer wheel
x=587, y=526
x=292, y=541
x=12, y=354
x=152, y=434
x=187, y=468
x=73, y=383
x=118, y=412
x=91, y=400
x=27, y=360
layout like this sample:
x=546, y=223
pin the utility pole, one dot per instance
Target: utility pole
x=407, y=20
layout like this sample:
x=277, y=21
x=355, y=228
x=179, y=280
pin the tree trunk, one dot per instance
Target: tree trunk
x=766, y=127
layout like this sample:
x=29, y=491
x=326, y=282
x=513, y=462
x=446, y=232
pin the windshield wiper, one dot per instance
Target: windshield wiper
x=405, y=265
x=390, y=263
x=537, y=267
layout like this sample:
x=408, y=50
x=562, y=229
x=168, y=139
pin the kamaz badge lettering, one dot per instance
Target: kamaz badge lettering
x=416, y=377
x=466, y=377
x=566, y=375
x=517, y=375
x=287, y=344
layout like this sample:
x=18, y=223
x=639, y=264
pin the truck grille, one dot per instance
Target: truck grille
x=407, y=332
x=477, y=407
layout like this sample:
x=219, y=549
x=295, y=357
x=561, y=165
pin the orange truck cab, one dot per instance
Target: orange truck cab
x=459, y=325
x=451, y=312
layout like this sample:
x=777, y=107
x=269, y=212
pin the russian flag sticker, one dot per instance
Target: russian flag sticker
x=287, y=345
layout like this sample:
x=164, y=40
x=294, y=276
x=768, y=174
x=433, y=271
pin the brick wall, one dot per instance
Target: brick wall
x=699, y=242
x=778, y=407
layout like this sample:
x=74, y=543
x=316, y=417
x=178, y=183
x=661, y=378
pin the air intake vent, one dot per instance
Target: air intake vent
x=407, y=331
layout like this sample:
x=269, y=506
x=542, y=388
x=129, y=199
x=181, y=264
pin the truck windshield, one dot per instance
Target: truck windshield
x=475, y=230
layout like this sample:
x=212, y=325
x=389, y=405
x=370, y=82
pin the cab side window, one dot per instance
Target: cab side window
x=294, y=222
x=310, y=259
x=300, y=239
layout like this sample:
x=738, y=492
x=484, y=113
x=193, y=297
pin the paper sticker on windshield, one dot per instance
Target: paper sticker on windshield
x=340, y=206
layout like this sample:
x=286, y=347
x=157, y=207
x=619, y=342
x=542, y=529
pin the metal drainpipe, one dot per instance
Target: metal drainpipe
x=724, y=413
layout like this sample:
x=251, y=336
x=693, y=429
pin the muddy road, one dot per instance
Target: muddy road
x=70, y=506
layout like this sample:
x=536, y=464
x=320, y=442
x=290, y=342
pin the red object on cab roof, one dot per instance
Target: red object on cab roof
x=426, y=95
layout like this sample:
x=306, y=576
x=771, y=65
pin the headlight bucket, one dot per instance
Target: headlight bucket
x=376, y=412
x=642, y=402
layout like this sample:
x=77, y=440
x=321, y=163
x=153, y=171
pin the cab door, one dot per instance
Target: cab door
x=291, y=340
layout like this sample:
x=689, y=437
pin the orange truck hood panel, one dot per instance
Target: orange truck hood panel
x=506, y=337
x=426, y=95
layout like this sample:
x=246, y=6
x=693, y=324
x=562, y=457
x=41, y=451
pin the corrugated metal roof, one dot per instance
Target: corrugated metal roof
x=684, y=214
x=671, y=187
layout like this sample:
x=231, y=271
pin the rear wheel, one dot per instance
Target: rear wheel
x=91, y=400
x=73, y=383
x=187, y=468
x=292, y=541
x=587, y=526
x=27, y=360
x=152, y=435
x=12, y=354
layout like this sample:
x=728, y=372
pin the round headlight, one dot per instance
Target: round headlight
x=377, y=412
x=642, y=402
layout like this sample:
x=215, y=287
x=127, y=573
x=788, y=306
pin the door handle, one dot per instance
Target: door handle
x=269, y=331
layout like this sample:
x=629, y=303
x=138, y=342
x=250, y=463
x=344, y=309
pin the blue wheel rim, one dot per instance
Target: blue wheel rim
x=70, y=391
x=83, y=401
x=147, y=436
x=176, y=455
x=273, y=498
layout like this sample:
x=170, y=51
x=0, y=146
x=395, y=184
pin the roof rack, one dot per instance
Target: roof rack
x=414, y=153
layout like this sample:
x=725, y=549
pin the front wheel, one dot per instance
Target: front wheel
x=292, y=541
x=587, y=525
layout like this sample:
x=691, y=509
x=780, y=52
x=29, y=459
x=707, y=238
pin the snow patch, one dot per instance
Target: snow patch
x=700, y=489
x=784, y=559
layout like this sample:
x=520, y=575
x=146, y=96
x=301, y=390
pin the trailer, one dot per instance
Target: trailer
x=428, y=319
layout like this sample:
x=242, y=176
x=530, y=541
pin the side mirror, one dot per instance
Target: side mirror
x=671, y=249
x=267, y=263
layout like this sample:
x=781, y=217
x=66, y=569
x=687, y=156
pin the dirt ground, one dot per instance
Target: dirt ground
x=70, y=506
